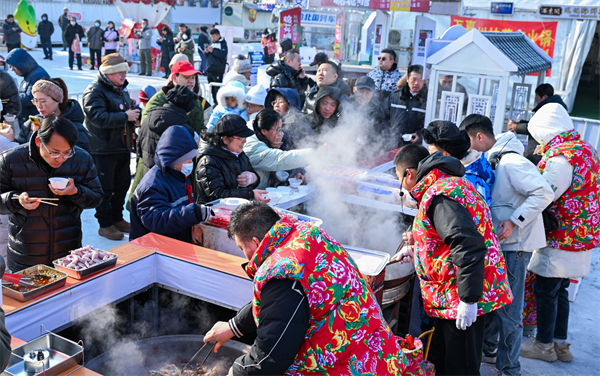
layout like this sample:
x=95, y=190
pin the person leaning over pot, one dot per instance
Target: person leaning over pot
x=41, y=233
x=265, y=153
x=223, y=169
x=312, y=311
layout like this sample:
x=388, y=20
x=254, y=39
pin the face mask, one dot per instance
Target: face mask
x=187, y=168
x=73, y=23
x=44, y=18
x=97, y=24
x=185, y=37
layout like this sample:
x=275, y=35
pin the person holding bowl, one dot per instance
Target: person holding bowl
x=42, y=230
x=264, y=149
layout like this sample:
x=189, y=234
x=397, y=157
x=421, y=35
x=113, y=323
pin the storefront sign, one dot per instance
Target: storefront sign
x=541, y=33
x=569, y=12
x=257, y=59
x=310, y=18
x=380, y=4
x=501, y=8
x=339, y=20
x=346, y=3
x=289, y=25
x=251, y=15
x=421, y=6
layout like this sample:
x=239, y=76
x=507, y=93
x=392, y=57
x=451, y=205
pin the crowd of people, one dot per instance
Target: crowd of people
x=487, y=213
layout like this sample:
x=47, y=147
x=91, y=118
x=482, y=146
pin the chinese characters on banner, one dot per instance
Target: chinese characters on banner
x=346, y=3
x=338, y=36
x=569, y=11
x=317, y=18
x=410, y=5
x=251, y=15
x=289, y=25
x=541, y=33
x=380, y=4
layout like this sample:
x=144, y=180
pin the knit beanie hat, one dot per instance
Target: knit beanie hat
x=146, y=93
x=241, y=64
x=257, y=95
x=447, y=136
x=113, y=63
x=182, y=97
x=204, y=28
x=49, y=88
x=178, y=57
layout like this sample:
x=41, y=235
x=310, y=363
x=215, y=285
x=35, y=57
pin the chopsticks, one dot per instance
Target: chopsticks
x=43, y=200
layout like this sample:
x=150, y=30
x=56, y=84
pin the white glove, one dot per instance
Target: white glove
x=466, y=314
x=405, y=255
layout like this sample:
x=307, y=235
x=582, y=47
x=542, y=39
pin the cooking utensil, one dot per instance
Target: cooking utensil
x=394, y=259
x=207, y=355
x=60, y=279
x=18, y=279
x=195, y=355
x=43, y=200
x=37, y=361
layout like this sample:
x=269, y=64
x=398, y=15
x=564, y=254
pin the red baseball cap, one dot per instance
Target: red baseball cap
x=184, y=67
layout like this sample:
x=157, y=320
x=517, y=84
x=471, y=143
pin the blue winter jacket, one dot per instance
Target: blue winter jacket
x=221, y=111
x=32, y=72
x=161, y=203
x=481, y=175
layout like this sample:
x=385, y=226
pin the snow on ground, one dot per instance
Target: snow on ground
x=584, y=321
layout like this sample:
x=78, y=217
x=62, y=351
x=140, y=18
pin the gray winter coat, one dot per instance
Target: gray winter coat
x=94, y=37
x=145, y=38
x=12, y=36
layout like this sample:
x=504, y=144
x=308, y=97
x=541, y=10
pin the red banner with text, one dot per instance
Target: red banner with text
x=541, y=33
x=339, y=22
x=289, y=25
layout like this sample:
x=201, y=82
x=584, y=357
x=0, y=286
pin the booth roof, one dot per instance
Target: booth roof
x=528, y=57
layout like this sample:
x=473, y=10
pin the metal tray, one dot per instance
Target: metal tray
x=64, y=354
x=369, y=262
x=81, y=274
x=25, y=296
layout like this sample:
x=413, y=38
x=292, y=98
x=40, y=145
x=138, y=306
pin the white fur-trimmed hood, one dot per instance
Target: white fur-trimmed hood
x=548, y=122
x=231, y=90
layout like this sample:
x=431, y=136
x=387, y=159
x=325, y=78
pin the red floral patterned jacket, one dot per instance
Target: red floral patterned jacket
x=577, y=210
x=433, y=260
x=347, y=333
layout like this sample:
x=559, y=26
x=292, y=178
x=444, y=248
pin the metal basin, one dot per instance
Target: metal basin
x=152, y=354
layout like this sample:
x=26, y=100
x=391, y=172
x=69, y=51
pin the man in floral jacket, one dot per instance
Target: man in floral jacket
x=571, y=167
x=312, y=310
x=457, y=257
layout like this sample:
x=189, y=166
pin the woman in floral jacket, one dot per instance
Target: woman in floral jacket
x=312, y=310
x=457, y=257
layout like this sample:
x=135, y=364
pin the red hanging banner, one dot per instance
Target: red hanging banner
x=289, y=25
x=339, y=20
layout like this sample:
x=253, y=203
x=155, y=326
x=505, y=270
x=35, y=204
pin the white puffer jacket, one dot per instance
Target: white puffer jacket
x=519, y=194
x=548, y=122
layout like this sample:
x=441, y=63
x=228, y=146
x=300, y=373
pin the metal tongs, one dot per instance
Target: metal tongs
x=196, y=354
x=19, y=279
x=394, y=259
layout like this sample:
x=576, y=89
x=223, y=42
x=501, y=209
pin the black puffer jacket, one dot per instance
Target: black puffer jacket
x=532, y=144
x=10, y=91
x=49, y=232
x=403, y=113
x=104, y=105
x=311, y=97
x=74, y=113
x=72, y=31
x=45, y=29
x=282, y=75
x=217, y=172
x=316, y=121
x=155, y=124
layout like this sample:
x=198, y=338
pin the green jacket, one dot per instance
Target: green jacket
x=266, y=160
x=195, y=118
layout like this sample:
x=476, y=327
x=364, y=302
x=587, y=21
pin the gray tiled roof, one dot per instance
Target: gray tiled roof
x=517, y=47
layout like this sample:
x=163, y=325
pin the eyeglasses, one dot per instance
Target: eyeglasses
x=239, y=138
x=279, y=130
x=40, y=102
x=279, y=102
x=54, y=154
x=382, y=58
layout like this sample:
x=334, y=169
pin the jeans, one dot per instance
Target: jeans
x=203, y=62
x=115, y=177
x=552, y=301
x=71, y=58
x=454, y=351
x=145, y=62
x=504, y=328
x=46, y=46
x=214, y=77
x=93, y=55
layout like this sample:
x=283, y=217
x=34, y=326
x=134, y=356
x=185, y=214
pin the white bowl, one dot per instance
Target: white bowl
x=59, y=183
x=271, y=189
x=275, y=198
x=285, y=191
x=294, y=183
